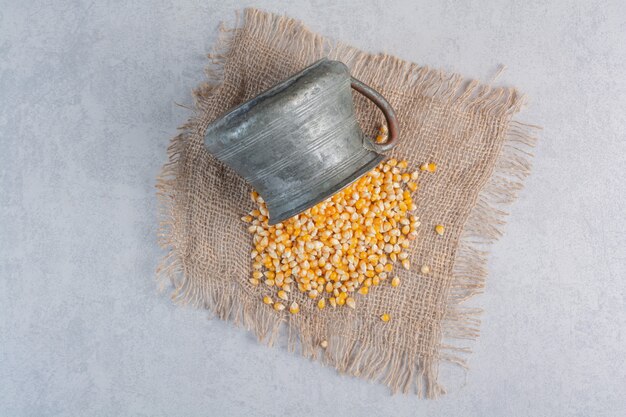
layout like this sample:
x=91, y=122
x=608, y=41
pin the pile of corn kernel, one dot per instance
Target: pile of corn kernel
x=341, y=247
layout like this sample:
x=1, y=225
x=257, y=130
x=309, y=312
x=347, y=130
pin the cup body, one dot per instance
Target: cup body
x=297, y=143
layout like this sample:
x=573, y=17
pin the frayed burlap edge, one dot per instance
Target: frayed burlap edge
x=399, y=370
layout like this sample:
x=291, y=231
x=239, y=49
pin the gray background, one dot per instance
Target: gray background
x=87, y=107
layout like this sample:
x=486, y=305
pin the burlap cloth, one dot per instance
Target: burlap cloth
x=465, y=127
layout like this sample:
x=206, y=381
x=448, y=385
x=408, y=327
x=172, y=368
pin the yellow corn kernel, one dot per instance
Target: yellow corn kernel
x=254, y=281
x=432, y=167
x=385, y=317
x=282, y=294
x=425, y=269
x=395, y=282
x=321, y=303
x=411, y=186
x=278, y=306
x=294, y=308
x=267, y=299
x=324, y=344
x=350, y=302
x=332, y=301
x=376, y=280
x=363, y=290
x=257, y=275
x=340, y=301
x=424, y=167
x=406, y=264
x=440, y=229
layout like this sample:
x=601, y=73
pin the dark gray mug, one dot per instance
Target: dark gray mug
x=299, y=142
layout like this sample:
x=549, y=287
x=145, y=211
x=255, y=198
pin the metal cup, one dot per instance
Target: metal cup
x=299, y=142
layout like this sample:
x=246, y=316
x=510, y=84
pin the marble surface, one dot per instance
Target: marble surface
x=88, y=94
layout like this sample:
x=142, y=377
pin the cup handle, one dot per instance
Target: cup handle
x=388, y=112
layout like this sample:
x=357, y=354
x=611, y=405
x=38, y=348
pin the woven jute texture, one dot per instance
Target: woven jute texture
x=465, y=127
